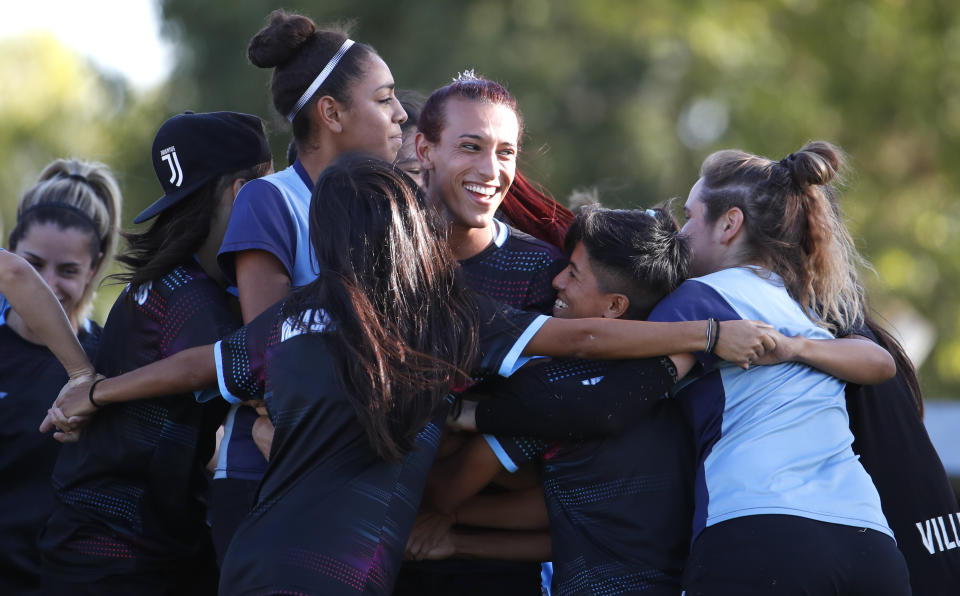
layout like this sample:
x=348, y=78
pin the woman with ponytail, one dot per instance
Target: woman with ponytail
x=354, y=370
x=129, y=515
x=613, y=457
x=468, y=144
x=67, y=230
x=783, y=506
x=619, y=523
x=338, y=96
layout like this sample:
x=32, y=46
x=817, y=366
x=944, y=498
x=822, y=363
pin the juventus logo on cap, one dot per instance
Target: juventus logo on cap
x=169, y=155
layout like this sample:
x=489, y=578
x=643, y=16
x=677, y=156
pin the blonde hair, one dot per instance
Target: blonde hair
x=90, y=191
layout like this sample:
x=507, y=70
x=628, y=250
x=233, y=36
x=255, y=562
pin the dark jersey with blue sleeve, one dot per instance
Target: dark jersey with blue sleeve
x=331, y=517
x=619, y=486
x=130, y=494
x=30, y=379
x=516, y=269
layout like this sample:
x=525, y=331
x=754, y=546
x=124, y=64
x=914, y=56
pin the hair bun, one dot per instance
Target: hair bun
x=279, y=41
x=816, y=164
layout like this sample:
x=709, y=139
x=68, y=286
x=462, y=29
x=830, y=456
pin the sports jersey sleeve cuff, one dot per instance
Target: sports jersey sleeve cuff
x=221, y=380
x=498, y=450
x=205, y=395
x=515, y=358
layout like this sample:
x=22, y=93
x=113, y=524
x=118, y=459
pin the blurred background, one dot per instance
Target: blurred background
x=620, y=96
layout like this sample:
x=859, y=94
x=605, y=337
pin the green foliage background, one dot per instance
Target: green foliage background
x=624, y=96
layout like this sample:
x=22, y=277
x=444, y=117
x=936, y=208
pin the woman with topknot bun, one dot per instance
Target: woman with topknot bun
x=783, y=506
x=339, y=97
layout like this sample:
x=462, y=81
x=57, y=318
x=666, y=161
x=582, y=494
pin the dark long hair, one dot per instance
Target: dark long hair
x=404, y=325
x=296, y=50
x=178, y=232
x=905, y=366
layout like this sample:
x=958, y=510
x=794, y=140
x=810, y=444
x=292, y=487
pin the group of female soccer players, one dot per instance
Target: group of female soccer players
x=324, y=315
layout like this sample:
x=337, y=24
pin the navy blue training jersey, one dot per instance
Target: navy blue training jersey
x=331, y=516
x=516, y=269
x=620, y=504
x=30, y=379
x=130, y=495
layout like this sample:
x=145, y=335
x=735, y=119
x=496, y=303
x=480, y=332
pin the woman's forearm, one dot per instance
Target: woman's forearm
x=33, y=301
x=192, y=369
x=853, y=359
x=514, y=510
x=615, y=338
x=188, y=370
x=510, y=546
x=738, y=341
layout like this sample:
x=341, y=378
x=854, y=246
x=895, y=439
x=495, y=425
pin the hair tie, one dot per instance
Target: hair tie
x=90, y=394
x=651, y=213
x=83, y=215
x=785, y=162
x=319, y=80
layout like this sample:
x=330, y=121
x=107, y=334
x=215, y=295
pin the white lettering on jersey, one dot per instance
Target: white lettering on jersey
x=142, y=292
x=311, y=321
x=935, y=536
x=946, y=539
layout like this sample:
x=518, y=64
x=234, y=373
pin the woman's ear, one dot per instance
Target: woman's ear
x=96, y=268
x=425, y=151
x=236, y=186
x=327, y=111
x=730, y=224
x=617, y=306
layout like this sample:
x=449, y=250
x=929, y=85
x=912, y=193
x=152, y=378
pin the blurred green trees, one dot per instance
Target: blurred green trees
x=625, y=96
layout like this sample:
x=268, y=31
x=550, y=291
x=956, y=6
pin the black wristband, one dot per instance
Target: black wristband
x=90, y=395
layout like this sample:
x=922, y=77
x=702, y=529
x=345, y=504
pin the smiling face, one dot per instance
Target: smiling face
x=471, y=167
x=62, y=258
x=578, y=291
x=371, y=121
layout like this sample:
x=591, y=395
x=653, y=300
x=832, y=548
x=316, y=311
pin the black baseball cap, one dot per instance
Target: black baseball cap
x=192, y=149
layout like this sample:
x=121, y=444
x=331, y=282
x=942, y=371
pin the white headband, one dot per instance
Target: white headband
x=320, y=79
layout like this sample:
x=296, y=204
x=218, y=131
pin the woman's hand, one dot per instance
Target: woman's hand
x=263, y=432
x=786, y=350
x=431, y=536
x=744, y=342
x=465, y=419
x=72, y=409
